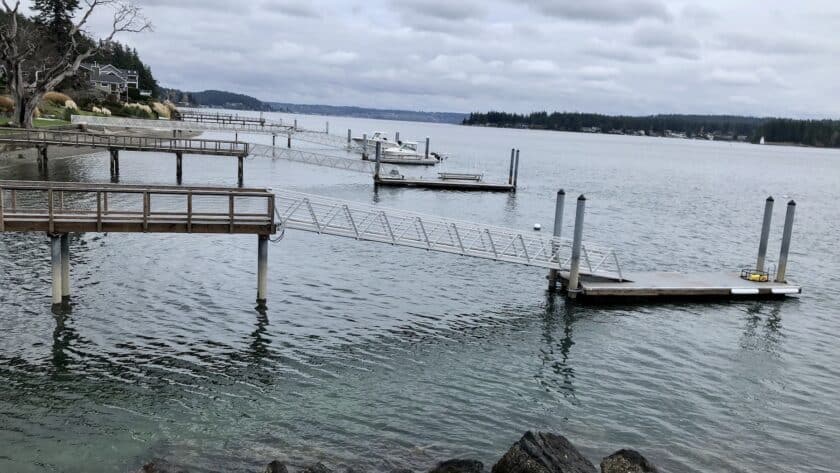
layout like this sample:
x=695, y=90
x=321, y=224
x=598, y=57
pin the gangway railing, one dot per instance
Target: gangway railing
x=318, y=159
x=323, y=215
x=120, y=122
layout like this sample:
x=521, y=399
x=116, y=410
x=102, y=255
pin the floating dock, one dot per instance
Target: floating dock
x=672, y=285
x=449, y=184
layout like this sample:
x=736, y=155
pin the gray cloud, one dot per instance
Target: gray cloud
x=608, y=11
x=634, y=56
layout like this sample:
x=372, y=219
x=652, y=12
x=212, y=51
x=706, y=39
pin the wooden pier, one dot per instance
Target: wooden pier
x=59, y=208
x=42, y=139
x=221, y=118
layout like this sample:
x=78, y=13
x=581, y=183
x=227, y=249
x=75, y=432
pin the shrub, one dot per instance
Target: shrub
x=7, y=105
x=106, y=112
x=56, y=98
x=96, y=109
x=161, y=110
x=71, y=105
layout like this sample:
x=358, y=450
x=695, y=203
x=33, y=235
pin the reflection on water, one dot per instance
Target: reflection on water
x=763, y=327
x=558, y=320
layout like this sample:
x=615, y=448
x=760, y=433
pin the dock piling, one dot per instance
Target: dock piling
x=349, y=137
x=65, y=267
x=295, y=128
x=115, y=161
x=512, y=159
x=43, y=160
x=289, y=140
x=55, y=253
x=427, y=147
x=558, y=230
x=364, y=147
x=179, y=158
x=786, y=236
x=274, y=140
x=765, y=234
x=327, y=129
x=574, y=272
x=397, y=137
x=516, y=171
x=241, y=170
x=378, y=157
x=262, y=271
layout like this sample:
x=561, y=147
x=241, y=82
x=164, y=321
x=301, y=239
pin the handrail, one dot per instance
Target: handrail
x=47, y=137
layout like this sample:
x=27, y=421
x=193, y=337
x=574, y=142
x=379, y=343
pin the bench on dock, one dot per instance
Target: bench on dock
x=460, y=176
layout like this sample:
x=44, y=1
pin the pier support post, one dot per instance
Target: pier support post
x=241, y=170
x=179, y=170
x=516, y=171
x=289, y=140
x=558, y=230
x=65, y=267
x=364, y=147
x=327, y=128
x=765, y=234
x=397, y=137
x=349, y=137
x=274, y=140
x=577, y=241
x=377, y=164
x=786, y=236
x=262, y=271
x=55, y=254
x=43, y=161
x=512, y=159
x=295, y=124
x=115, y=162
x=427, y=147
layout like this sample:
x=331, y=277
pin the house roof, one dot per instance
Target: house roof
x=107, y=77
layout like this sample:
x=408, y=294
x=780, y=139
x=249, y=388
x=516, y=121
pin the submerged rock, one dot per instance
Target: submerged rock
x=627, y=461
x=459, y=466
x=317, y=468
x=543, y=452
x=276, y=467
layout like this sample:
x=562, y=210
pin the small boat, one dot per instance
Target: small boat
x=376, y=137
x=406, y=149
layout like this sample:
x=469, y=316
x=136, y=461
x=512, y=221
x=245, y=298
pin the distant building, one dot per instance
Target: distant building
x=591, y=129
x=110, y=78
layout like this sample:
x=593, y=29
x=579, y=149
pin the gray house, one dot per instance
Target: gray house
x=111, y=78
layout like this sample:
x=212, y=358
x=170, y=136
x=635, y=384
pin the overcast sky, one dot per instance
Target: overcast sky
x=758, y=57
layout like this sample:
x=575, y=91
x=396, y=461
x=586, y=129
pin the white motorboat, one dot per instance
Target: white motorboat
x=376, y=137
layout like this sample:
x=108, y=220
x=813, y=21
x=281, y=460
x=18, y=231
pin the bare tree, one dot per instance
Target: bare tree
x=32, y=70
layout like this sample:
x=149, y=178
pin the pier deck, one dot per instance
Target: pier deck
x=42, y=138
x=56, y=207
x=672, y=285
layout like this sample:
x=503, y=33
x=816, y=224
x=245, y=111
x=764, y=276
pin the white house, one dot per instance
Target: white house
x=111, y=78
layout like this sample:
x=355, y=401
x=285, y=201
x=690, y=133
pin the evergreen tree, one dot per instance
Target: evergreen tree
x=56, y=16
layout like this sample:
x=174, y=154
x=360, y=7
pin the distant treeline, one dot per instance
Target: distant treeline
x=807, y=132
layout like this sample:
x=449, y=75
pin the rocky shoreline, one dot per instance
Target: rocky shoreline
x=535, y=452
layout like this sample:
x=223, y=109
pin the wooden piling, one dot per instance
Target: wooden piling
x=378, y=158
x=427, y=147
x=179, y=158
x=241, y=170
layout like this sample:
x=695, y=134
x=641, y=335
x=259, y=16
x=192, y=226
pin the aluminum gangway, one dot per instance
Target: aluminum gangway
x=323, y=215
x=120, y=122
x=318, y=159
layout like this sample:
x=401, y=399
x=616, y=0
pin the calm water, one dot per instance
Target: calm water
x=378, y=357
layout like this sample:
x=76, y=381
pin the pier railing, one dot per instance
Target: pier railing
x=123, y=142
x=79, y=207
x=402, y=228
x=120, y=122
x=318, y=159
